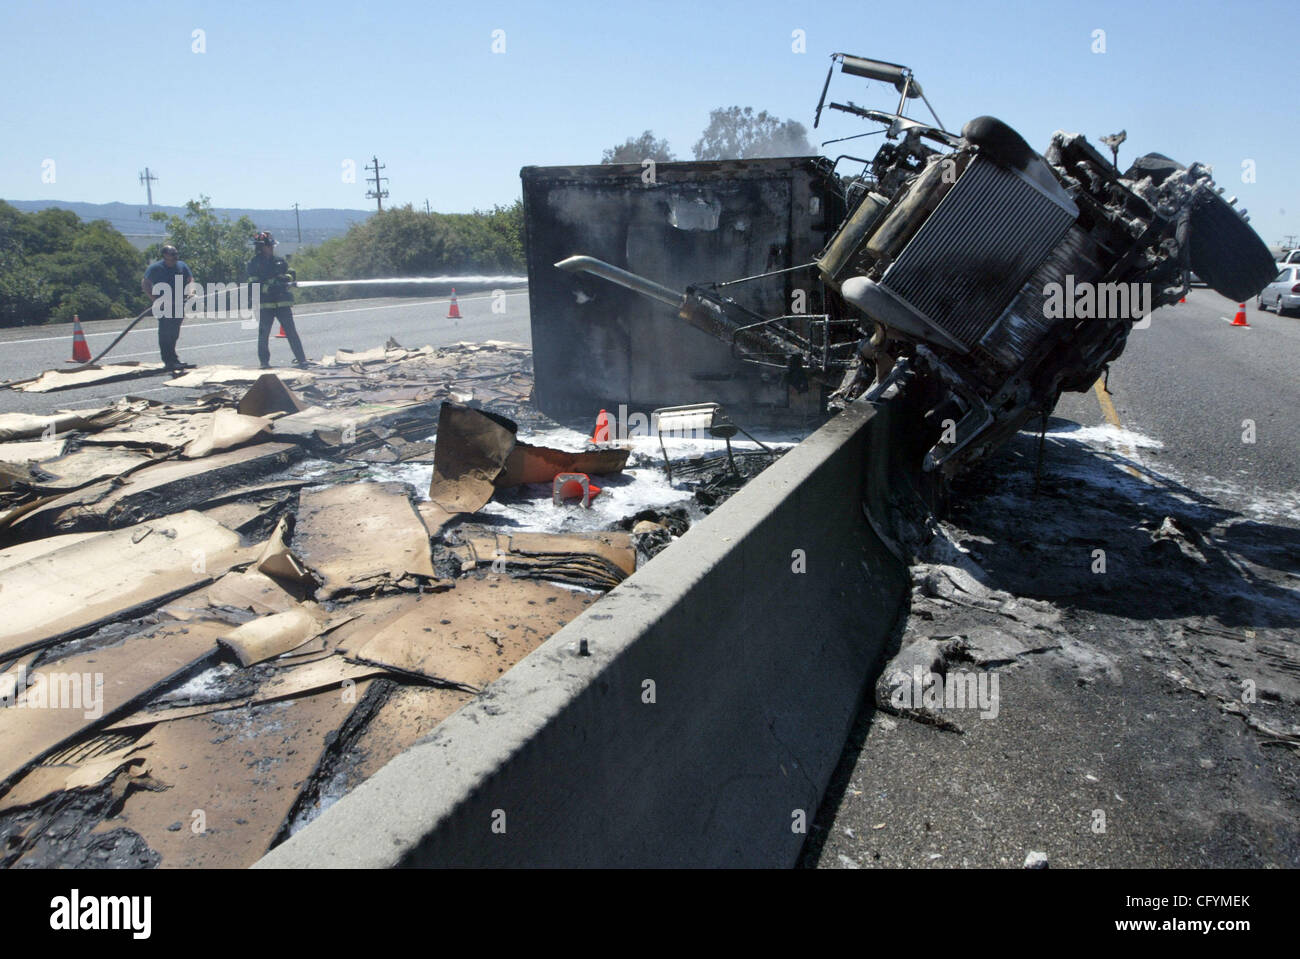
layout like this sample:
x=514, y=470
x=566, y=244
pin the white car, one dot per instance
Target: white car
x=1291, y=258
x=1284, y=292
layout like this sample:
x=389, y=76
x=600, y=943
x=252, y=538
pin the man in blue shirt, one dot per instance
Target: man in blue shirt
x=169, y=306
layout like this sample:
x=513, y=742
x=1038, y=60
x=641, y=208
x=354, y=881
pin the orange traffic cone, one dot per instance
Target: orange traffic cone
x=570, y=485
x=80, y=351
x=601, y=434
x=281, y=334
x=453, y=313
x=1240, y=318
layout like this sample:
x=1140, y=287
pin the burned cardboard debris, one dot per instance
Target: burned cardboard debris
x=13, y=474
x=245, y=793
x=88, y=581
x=362, y=537
x=327, y=673
x=156, y=427
x=52, y=380
x=275, y=634
x=269, y=395
x=226, y=375
x=247, y=517
x=89, y=464
x=227, y=429
x=309, y=692
x=326, y=428
x=90, y=688
x=251, y=590
x=402, y=716
x=19, y=426
x=390, y=352
x=471, y=452
x=31, y=451
x=593, y=560
x=156, y=490
x=470, y=635
x=47, y=779
x=280, y=563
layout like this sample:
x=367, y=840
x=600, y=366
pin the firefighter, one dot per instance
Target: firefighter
x=275, y=278
x=169, y=307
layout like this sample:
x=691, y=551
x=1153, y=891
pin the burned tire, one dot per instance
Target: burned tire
x=1226, y=253
x=998, y=141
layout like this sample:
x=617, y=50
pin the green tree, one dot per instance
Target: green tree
x=738, y=133
x=644, y=147
x=217, y=249
x=102, y=263
x=54, y=266
x=402, y=241
x=25, y=296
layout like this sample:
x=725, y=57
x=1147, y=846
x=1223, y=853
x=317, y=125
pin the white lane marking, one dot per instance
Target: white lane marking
x=297, y=315
x=190, y=349
x=152, y=389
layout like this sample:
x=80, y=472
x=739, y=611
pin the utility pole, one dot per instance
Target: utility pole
x=148, y=179
x=378, y=193
x=1113, y=141
x=426, y=206
x=298, y=222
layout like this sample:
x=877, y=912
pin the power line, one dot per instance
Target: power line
x=378, y=193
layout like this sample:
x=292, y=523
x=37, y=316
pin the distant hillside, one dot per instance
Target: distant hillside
x=132, y=220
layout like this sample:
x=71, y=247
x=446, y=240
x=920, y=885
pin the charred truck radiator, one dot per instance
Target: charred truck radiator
x=975, y=252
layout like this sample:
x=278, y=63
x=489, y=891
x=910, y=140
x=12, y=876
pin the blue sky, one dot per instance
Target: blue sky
x=286, y=92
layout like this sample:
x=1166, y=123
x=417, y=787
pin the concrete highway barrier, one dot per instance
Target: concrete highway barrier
x=692, y=717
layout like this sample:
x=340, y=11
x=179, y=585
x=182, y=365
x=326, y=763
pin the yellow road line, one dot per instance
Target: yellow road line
x=1107, y=405
x=1111, y=416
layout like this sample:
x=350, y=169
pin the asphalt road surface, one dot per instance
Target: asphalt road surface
x=324, y=328
x=1103, y=753
x=1191, y=381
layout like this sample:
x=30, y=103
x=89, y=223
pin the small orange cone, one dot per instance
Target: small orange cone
x=453, y=313
x=80, y=351
x=1240, y=318
x=281, y=335
x=569, y=485
x=601, y=434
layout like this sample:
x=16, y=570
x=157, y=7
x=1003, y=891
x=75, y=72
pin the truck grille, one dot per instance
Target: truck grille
x=971, y=257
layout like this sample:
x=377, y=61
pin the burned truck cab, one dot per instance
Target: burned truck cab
x=956, y=261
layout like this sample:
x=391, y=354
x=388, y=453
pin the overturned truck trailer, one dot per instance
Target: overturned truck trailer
x=989, y=277
x=598, y=345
